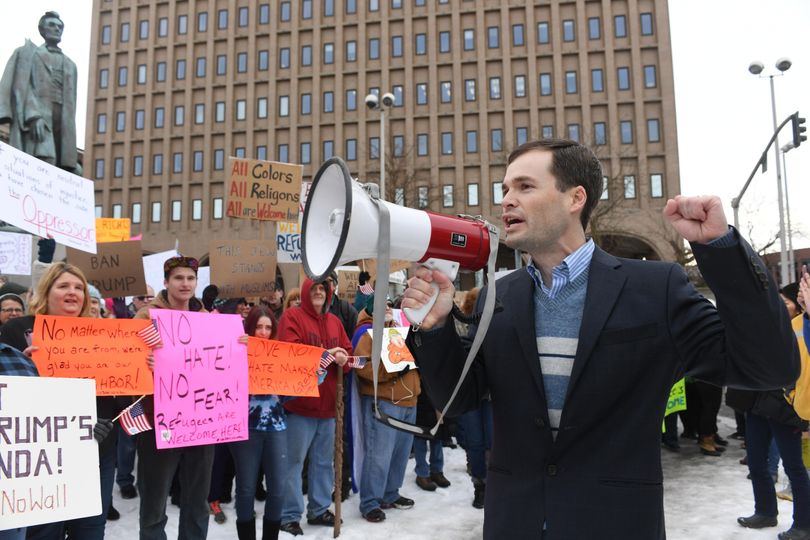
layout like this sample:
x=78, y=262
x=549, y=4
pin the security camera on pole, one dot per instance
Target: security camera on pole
x=373, y=103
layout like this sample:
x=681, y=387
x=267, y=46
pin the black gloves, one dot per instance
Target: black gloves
x=102, y=428
x=47, y=246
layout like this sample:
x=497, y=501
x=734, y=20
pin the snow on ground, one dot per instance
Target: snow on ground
x=703, y=498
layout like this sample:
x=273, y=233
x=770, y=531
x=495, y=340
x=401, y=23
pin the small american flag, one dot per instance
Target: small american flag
x=150, y=335
x=366, y=289
x=354, y=361
x=134, y=420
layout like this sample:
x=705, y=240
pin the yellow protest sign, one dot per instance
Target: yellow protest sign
x=112, y=229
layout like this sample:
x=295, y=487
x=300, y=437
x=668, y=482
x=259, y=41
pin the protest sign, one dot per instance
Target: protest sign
x=677, y=398
x=264, y=190
x=112, y=229
x=305, y=187
x=107, y=350
x=153, y=268
x=201, y=382
x=288, y=242
x=116, y=269
x=203, y=280
x=348, y=281
x=370, y=266
x=15, y=253
x=241, y=268
x=292, y=274
x=286, y=369
x=46, y=200
x=48, y=457
x=395, y=354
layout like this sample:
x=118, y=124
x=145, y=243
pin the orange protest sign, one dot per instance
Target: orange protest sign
x=107, y=350
x=278, y=367
x=112, y=229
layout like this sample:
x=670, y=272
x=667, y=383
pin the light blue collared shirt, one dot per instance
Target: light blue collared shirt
x=568, y=270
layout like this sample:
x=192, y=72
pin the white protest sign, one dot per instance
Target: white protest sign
x=203, y=280
x=15, y=253
x=48, y=457
x=46, y=200
x=153, y=268
x=395, y=354
x=302, y=205
x=288, y=242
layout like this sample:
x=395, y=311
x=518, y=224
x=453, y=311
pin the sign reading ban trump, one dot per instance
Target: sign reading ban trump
x=201, y=382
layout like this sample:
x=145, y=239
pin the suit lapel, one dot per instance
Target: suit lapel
x=42, y=55
x=605, y=282
x=520, y=299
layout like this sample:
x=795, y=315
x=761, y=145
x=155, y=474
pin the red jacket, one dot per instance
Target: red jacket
x=304, y=325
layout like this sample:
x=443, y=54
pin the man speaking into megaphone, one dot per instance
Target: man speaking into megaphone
x=581, y=359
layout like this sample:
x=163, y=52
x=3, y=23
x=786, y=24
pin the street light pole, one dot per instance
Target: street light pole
x=375, y=103
x=791, y=255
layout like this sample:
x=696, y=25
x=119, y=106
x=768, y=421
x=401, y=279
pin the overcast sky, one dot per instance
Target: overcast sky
x=723, y=112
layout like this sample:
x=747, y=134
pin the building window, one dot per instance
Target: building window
x=103, y=78
x=573, y=132
x=202, y=22
x=264, y=14
x=548, y=132
x=471, y=142
x=447, y=196
x=179, y=115
x=399, y=196
x=399, y=145
x=241, y=109
x=605, y=194
x=421, y=144
x=373, y=148
x=142, y=74
x=328, y=149
x=396, y=4
x=653, y=133
x=200, y=71
x=493, y=37
x=545, y=84
x=163, y=27
x=137, y=166
x=217, y=208
x=261, y=152
x=472, y=194
x=328, y=8
x=306, y=9
x=140, y=119
x=122, y=76
x=373, y=48
x=619, y=26
x=328, y=101
x=398, y=91
x=351, y=6
x=136, y=212
x=469, y=39
x=219, y=111
x=623, y=77
x=284, y=58
x=396, y=46
x=239, y=151
x=106, y=34
x=422, y=196
x=304, y=153
x=261, y=107
x=284, y=105
x=351, y=51
x=351, y=149
x=594, y=28
x=656, y=185
x=99, y=169
x=219, y=159
x=243, y=16
x=650, y=80
x=542, y=32
x=156, y=212
x=646, y=24
x=496, y=140
x=445, y=92
x=196, y=209
x=374, y=5
x=177, y=162
x=199, y=157
x=222, y=19
x=521, y=135
x=570, y=82
x=447, y=143
x=520, y=86
x=124, y=35
x=518, y=38
x=626, y=128
x=241, y=62
x=328, y=53
x=420, y=44
x=597, y=81
x=599, y=133
x=444, y=42
x=101, y=123
x=283, y=152
x=160, y=71
x=264, y=60
x=118, y=167
x=306, y=103
x=143, y=29
x=497, y=192
x=469, y=90
x=351, y=100
x=494, y=88
x=182, y=24
x=285, y=12
x=180, y=70
x=421, y=94
x=629, y=187
x=568, y=30
x=157, y=164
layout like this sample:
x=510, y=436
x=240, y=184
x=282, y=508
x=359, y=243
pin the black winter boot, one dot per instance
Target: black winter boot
x=246, y=530
x=270, y=529
x=480, y=490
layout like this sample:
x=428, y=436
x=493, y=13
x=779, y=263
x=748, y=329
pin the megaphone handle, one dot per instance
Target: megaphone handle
x=450, y=269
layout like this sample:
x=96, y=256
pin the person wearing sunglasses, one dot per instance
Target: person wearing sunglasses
x=142, y=300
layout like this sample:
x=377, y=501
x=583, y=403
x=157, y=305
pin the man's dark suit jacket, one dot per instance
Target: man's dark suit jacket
x=643, y=326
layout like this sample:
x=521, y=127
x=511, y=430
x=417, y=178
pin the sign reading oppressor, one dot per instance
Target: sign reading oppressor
x=201, y=380
x=15, y=253
x=107, y=350
x=116, y=269
x=112, y=229
x=242, y=268
x=46, y=200
x=48, y=458
x=286, y=369
x=264, y=190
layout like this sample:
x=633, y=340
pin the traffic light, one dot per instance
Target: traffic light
x=798, y=130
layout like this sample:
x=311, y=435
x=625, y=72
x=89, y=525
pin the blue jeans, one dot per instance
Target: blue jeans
x=477, y=427
x=313, y=438
x=91, y=527
x=758, y=433
x=268, y=450
x=420, y=447
x=126, y=458
x=773, y=458
x=13, y=534
x=386, y=451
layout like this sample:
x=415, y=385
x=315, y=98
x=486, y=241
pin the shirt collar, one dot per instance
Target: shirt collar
x=569, y=269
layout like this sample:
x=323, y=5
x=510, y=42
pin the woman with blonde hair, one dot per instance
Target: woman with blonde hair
x=293, y=299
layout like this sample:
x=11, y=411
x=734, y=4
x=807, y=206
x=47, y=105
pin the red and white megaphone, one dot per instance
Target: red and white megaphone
x=341, y=224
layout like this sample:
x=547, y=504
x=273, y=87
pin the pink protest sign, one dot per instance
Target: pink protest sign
x=201, y=379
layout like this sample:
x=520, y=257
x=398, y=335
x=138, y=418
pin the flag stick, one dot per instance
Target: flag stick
x=128, y=408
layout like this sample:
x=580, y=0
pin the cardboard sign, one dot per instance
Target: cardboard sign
x=48, y=457
x=370, y=266
x=107, y=350
x=112, y=229
x=15, y=254
x=395, y=354
x=116, y=270
x=241, y=268
x=292, y=274
x=201, y=382
x=46, y=200
x=286, y=369
x=305, y=187
x=348, y=281
x=288, y=242
x=264, y=190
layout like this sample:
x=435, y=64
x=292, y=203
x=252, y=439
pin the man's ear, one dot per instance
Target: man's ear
x=578, y=198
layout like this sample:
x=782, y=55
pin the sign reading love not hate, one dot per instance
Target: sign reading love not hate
x=201, y=381
x=116, y=269
x=242, y=268
x=46, y=200
x=264, y=190
x=107, y=350
x=286, y=369
x=48, y=464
